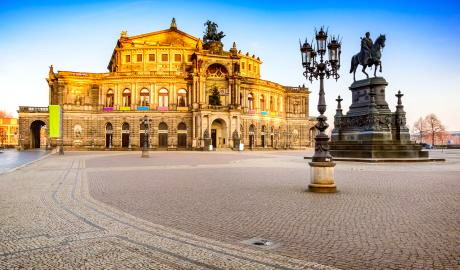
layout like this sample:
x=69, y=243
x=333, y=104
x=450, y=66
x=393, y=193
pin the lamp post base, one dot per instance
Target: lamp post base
x=322, y=177
x=145, y=154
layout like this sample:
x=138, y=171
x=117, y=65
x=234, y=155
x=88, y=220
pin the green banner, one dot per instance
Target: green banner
x=55, y=121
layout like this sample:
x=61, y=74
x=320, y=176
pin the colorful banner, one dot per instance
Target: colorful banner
x=55, y=121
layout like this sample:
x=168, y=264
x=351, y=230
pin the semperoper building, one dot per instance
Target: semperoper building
x=173, y=78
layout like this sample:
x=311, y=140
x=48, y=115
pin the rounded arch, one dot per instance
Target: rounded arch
x=126, y=95
x=216, y=70
x=163, y=135
x=250, y=101
x=37, y=134
x=262, y=102
x=219, y=133
x=181, y=126
x=182, y=98
x=125, y=136
x=109, y=98
x=182, y=135
x=163, y=126
x=77, y=131
x=108, y=134
x=251, y=136
x=163, y=101
x=144, y=97
x=108, y=127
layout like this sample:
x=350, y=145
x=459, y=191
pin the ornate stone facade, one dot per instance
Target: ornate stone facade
x=169, y=76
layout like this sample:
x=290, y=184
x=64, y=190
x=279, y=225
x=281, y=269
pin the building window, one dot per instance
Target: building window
x=182, y=98
x=262, y=103
x=126, y=98
x=250, y=102
x=163, y=98
x=151, y=57
x=164, y=57
x=177, y=57
x=128, y=58
x=271, y=105
x=145, y=96
x=249, y=67
x=139, y=58
x=243, y=65
x=109, y=98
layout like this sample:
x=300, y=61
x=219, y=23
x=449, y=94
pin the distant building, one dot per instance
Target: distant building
x=174, y=79
x=8, y=131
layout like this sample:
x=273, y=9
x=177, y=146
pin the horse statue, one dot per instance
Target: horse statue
x=368, y=57
x=211, y=34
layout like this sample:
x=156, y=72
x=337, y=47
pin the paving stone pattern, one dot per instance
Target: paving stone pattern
x=386, y=216
x=48, y=220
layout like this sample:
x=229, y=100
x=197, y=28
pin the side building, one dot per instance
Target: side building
x=193, y=92
x=8, y=131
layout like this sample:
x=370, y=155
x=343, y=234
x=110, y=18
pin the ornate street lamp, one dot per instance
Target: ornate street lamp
x=315, y=64
x=145, y=122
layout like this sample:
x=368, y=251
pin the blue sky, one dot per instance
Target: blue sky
x=421, y=57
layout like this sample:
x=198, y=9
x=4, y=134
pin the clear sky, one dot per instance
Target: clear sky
x=421, y=57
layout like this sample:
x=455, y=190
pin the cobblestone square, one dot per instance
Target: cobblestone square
x=196, y=210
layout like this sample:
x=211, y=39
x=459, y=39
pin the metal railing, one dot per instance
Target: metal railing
x=30, y=109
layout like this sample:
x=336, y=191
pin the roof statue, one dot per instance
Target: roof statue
x=211, y=34
x=369, y=55
x=173, y=24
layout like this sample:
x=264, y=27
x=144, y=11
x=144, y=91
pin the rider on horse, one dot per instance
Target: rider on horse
x=366, y=48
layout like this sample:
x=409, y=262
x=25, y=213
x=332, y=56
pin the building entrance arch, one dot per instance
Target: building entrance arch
x=251, y=136
x=182, y=135
x=219, y=133
x=163, y=135
x=125, y=132
x=37, y=134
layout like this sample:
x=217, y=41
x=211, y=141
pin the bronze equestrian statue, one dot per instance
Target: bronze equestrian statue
x=369, y=55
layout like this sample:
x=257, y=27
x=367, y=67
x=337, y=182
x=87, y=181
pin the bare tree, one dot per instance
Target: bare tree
x=421, y=128
x=435, y=127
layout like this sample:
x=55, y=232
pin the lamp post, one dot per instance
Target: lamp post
x=145, y=122
x=316, y=66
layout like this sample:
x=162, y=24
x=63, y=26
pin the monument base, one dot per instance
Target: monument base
x=145, y=154
x=322, y=177
x=377, y=150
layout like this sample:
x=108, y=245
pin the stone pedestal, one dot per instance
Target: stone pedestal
x=145, y=153
x=369, y=130
x=322, y=177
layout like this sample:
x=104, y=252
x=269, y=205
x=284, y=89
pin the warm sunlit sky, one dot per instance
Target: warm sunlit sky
x=421, y=57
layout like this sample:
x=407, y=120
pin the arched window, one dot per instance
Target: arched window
x=126, y=97
x=163, y=126
x=145, y=97
x=262, y=103
x=271, y=104
x=250, y=102
x=109, y=98
x=182, y=98
x=163, y=98
x=216, y=70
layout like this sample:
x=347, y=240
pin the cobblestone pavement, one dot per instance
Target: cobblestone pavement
x=386, y=216
x=48, y=220
x=11, y=158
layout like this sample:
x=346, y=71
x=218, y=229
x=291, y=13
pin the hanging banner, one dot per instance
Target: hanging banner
x=55, y=121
